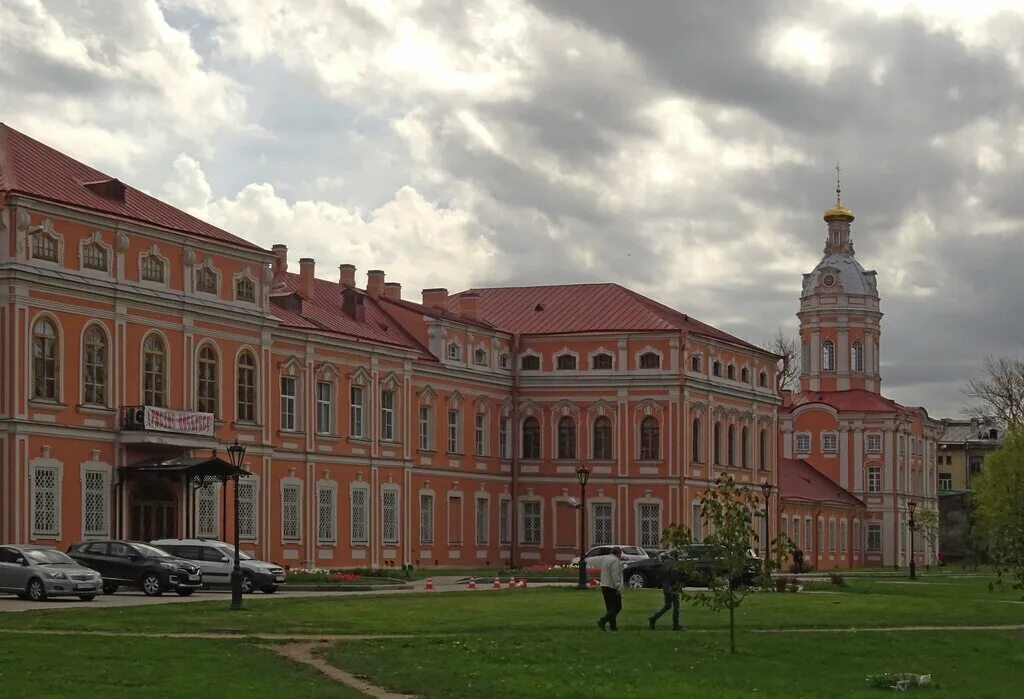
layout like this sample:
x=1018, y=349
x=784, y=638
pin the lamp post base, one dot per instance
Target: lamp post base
x=236, y=589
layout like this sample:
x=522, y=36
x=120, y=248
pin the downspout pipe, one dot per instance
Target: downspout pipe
x=514, y=439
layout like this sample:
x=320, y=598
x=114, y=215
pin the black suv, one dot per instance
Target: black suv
x=135, y=564
x=703, y=562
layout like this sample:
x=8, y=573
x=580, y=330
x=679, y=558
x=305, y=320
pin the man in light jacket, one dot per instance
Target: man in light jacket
x=611, y=589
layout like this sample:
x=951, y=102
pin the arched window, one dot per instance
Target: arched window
x=716, y=439
x=94, y=366
x=762, y=379
x=716, y=368
x=650, y=438
x=695, y=440
x=730, y=445
x=206, y=280
x=602, y=438
x=44, y=247
x=695, y=363
x=566, y=362
x=828, y=356
x=152, y=269
x=531, y=438
x=245, y=289
x=246, y=387
x=857, y=356
x=566, y=438
x=745, y=375
x=480, y=356
x=530, y=362
x=454, y=351
x=744, y=449
x=601, y=361
x=154, y=371
x=206, y=380
x=730, y=372
x=650, y=360
x=763, y=450
x=44, y=360
x=94, y=256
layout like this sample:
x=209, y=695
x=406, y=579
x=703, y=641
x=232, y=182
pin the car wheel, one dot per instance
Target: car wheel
x=109, y=588
x=248, y=584
x=36, y=591
x=87, y=598
x=269, y=589
x=185, y=593
x=637, y=580
x=151, y=585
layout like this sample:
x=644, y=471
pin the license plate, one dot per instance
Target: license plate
x=193, y=577
x=84, y=587
x=279, y=578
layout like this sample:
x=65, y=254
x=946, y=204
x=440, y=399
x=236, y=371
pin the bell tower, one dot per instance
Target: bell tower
x=840, y=320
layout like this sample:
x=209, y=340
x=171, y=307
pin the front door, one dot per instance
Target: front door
x=154, y=513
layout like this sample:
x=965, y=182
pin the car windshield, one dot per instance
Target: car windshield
x=48, y=557
x=151, y=551
x=229, y=551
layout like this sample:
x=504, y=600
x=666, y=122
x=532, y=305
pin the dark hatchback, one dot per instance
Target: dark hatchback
x=136, y=564
x=703, y=563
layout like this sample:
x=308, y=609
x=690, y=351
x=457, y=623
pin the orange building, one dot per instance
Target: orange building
x=871, y=449
x=378, y=431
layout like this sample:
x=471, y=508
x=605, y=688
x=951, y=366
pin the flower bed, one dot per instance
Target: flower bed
x=337, y=576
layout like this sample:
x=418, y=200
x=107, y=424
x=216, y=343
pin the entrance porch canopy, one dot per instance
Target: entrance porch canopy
x=198, y=469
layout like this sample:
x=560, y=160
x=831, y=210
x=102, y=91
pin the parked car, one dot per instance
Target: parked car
x=629, y=553
x=704, y=562
x=136, y=564
x=38, y=572
x=216, y=559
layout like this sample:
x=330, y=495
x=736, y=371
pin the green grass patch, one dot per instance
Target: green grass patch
x=683, y=664
x=55, y=666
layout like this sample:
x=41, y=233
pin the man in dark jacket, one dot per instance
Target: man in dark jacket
x=670, y=582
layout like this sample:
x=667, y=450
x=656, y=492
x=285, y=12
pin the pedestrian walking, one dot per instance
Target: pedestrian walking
x=611, y=589
x=670, y=583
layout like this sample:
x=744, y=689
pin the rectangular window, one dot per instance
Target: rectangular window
x=697, y=526
x=803, y=443
x=94, y=257
x=819, y=542
x=874, y=443
x=874, y=479
x=326, y=514
x=206, y=512
x=324, y=423
x=830, y=442
x=356, y=411
x=483, y=521
x=247, y=508
x=387, y=416
x=96, y=503
x=389, y=516
x=832, y=536
x=290, y=517
x=245, y=290
x=650, y=524
x=45, y=502
x=504, y=445
x=152, y=269
x=856, y=538
x=425, y=427
x=360, y=516
x=808, y=538
x=480, y=435
x=426, y=518
x=796, y=532
x=842, y=536
x=874, y=538
x=945, y=481
x=454, y=520
x=530, y=533
x=505, y=522
x=601, y=527
x=288, y=403
x=453, y=432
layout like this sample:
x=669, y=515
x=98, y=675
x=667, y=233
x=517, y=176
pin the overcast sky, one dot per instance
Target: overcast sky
x=684, y=149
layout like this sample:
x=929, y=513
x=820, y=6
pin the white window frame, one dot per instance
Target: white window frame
x=537, y=517
x=291, y=487
x=874, y=485
x=608, y=507
x=289, y=404
x=427, y=517
x=454, y=430
x=37, y=466
x=426, y=422
x=482, y=506
x=393, y=511
x=640, y=521
x=800, y=439
x=842, y=536
x=504, y=433
x=480, y=434
x=210, y=494
x=697, y=521
x=104, y=473
x=876, y=528
x=363, y=520
x=873, y=442
x=249, y=534
x=324, y=407
x=826, y=438
x=330, y=490
x=356, y=411
x=388, y=423
x=453, y=352
x=505, y=521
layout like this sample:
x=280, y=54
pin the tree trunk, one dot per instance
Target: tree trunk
x=732, y=629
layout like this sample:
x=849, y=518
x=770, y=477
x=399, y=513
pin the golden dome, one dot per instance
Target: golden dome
x=838, y=211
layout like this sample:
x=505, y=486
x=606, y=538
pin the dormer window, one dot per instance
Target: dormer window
x=480, y=357
x=152, y=269
x=650, y=360
x=245, y=289
x=454, y=351
x=206, y=280
x=94, y=256
x=566, y=362
x=44, y=247
x=530, y=362
x=601, y=361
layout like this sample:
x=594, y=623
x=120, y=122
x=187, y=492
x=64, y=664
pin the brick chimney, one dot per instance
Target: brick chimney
x=347, y=275
x=281, y=263
x=307, y=265
x=435, y=298
x=374, y=283
x=392, y=290
x=469, y=304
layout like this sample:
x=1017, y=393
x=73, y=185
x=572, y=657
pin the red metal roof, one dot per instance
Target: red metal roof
x=436, y=312
x=799, y=480
x=578, y=308
x=855, y=401
x=37, y=170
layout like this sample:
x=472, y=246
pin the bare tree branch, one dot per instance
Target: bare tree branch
x=789, y=348
x=998, y=392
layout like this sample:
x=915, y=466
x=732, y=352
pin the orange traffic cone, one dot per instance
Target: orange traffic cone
x=511, y=583
x=497, y=583
x=472, y=584
x=429, y=585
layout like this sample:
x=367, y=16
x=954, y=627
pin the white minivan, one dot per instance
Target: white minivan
x=216, y=559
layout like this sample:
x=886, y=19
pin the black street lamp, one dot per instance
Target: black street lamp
x=912, y=506
x=236, y=453
x=766, y=490
x=583, y=475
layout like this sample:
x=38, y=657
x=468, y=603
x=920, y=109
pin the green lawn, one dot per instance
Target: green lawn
x=51, y=666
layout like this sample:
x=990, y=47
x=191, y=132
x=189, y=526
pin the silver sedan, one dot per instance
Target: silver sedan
x=38, y=572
